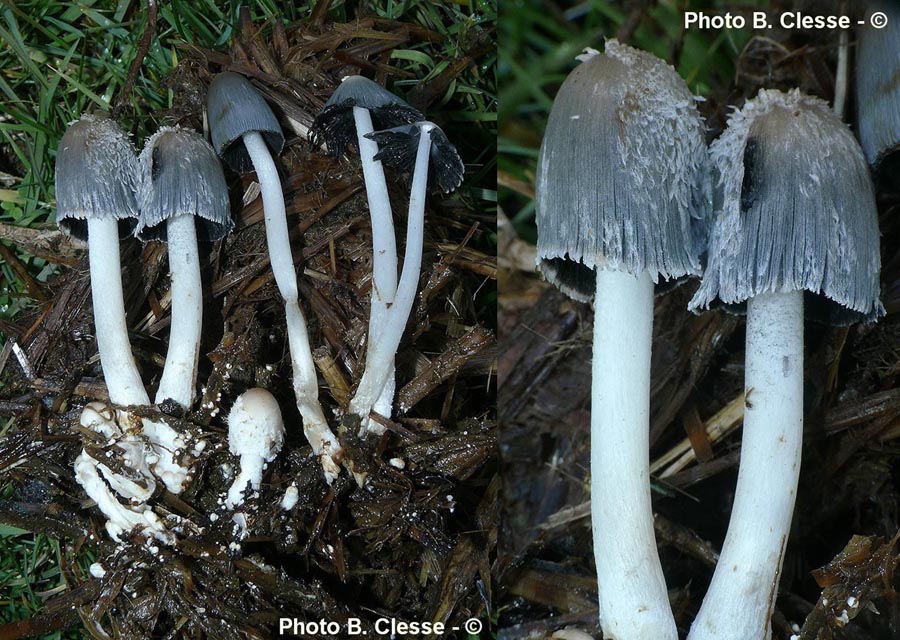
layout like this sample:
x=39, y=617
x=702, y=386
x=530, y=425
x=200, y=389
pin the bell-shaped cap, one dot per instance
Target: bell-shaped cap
x=398, y=147
x=878, y=93
x=255, y=425
x=96, y=169
x=621, y=178
x=179, y=174
x=234, y=107
x=794, y=210
x=335, y=125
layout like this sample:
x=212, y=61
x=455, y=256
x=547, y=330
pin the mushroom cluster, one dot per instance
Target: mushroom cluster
x=175, y=192
x=781, y=225
x=388, y=132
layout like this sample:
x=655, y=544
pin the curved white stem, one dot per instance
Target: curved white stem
x=741, y=597
x=277, y=236
x=119, y=369
x=306, y=390
x=383, y=346
x=306, y=383
x=634, y=603
x=180, y=372
x=384, y=248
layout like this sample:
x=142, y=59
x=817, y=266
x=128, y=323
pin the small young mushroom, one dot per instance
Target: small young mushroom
x=182, y=195
x=621, y=185
x=243, y=129
x=424, y=148
x=878, y=94
x=255, y=434
x=362, y=106
x=96, y=169
x=795, y=213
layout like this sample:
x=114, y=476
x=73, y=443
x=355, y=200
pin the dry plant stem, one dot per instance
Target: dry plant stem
x=119, y=369
x=180, y=372
x=741, y=596
x=306, y=382
x=634, y=602
x=840, y=81
x=384, y=253
x=383, y=346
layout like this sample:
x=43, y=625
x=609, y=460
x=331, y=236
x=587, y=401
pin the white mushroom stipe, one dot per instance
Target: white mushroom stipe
x=384, y=252
x=121, y=519
x=306, y=384
x=179, y=375
x=255, y=434
x=119, y=369
x=741, y=596
x=138, y=488
x=168, y=445
x=383, y=347
x=634, y=602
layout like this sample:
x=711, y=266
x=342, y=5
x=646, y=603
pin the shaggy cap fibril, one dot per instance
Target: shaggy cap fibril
x=96, y=169
x=795, y=208
x=398, y=147
x=180, y=174
x=335, y=126
x=878, y=90
x=234, y=107
x=622, y=173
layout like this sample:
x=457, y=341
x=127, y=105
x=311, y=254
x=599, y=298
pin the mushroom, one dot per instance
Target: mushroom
x=620, y=187
x=255, y=434
x=795, y=213
x=878, y=95
x=96, y=174
x=363, y=106
x=408, y=146
x=96, y=169
x=182, y=194
x=243, y=130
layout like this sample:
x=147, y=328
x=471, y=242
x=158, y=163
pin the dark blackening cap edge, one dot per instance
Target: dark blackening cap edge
x=573, y=278
x=234, y=107
x=398, y=147
x=95, y=175
x=808, y=224
x=335, y=126
x=180, y=174
x=617, y=206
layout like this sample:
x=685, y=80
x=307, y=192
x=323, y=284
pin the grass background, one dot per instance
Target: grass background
x=61, y=59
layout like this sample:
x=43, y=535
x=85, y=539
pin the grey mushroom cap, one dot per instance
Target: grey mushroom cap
x=622, y=174
x=795, y=210
x=398, y=147
x=335, y=125
x=179, y=174
x=878, y=92
x=234, y=107
x=96, y=169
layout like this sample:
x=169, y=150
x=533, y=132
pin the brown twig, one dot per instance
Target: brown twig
x=142, y=49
